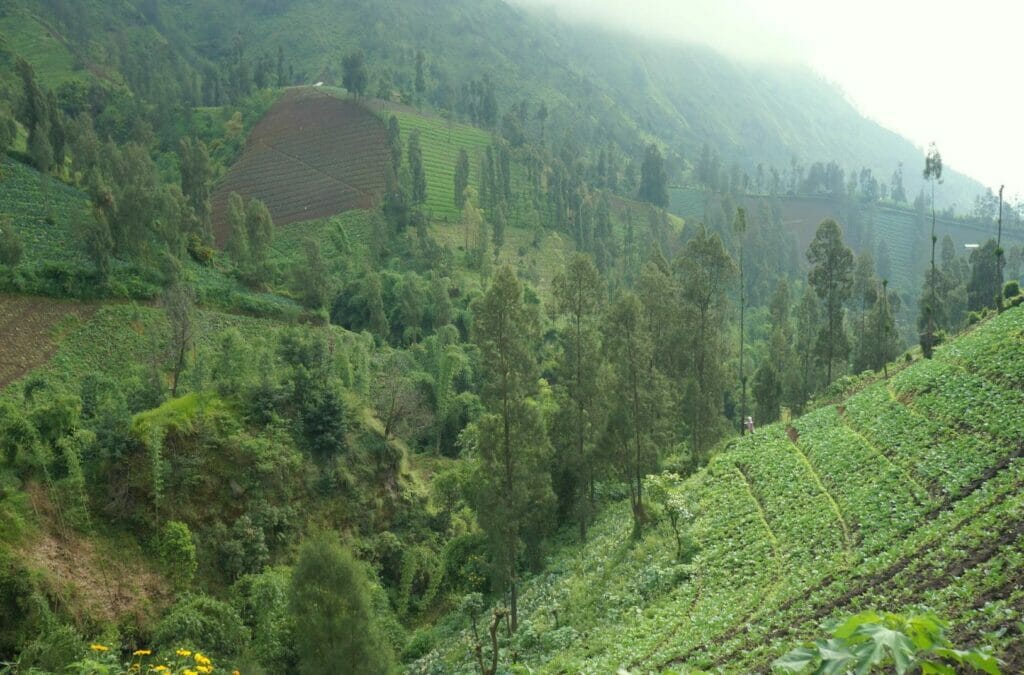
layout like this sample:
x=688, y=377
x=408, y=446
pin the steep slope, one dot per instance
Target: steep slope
x=905, y=497
x=597, y=85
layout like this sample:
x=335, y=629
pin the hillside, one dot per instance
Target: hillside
x=906, y=239
x=906, y=496
x=310, y=156
x=598, y=86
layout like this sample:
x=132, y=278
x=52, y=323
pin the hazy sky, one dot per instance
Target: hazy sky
x=932, y=71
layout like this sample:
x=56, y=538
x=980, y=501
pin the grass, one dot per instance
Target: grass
x=49, y=56
x=904, y=497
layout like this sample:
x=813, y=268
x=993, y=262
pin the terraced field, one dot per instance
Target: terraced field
x=26, y=200
x=29, y=331
x=311, y=156
x=49, y=56
x=441, y=146
x=907, y=497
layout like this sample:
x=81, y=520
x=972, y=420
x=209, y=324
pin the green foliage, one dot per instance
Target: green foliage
x=869, y=641
x=331, y=606
x=832, y=280
x=262, y=601
x=10, y=245
x=355, y=78
x=653, y=179
x=176, y=552
x=198, y=619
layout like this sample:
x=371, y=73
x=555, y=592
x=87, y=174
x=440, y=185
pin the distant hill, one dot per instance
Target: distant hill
x=904, y=234
x=905, y=495
x=598, y=86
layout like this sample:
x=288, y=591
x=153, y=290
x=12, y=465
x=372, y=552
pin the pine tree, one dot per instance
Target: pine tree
x=419, y=177
x=653, y=179
x=832, y=279
x=461, y=178
x=260, y=229
x=514, y=497
x=238, y=240
x=333, y=612
x=705, y=269
x=354, y=77
x=578, y=292
x=196, y=179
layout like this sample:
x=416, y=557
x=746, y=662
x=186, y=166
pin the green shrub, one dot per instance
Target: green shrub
x=201, y=253
x=10, y=245
x=262, y=601
x=1011, y=289
x=420, y=644
x=176, y=552
x=69, y=478
x=243, y=548
x=202, y=621
x=465, y=563
x=334, y=613
x=51, y=649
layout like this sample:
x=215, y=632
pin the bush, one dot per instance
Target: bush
x=465, y=563
x=201, y=253
x=176, y=552
x=420, y=644
x=335, y=618
x=10, y=245
x=1011, y=289
x=262, y=602
x=199, y=620
x=243, y=548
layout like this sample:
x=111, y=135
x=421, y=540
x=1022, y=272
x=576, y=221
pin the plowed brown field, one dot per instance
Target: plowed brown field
x=311, y=156
x=28, y=328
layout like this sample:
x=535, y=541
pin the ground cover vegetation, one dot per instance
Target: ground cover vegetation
x=423, y=360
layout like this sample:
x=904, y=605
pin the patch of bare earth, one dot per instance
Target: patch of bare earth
x=90, y=579
x=311, y=156
x=29, y=332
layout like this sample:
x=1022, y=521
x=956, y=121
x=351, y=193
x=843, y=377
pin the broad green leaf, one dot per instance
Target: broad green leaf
x=885, y=640
x=796, y=660
x=983, y=661
x=934, y=668
x=847, y=628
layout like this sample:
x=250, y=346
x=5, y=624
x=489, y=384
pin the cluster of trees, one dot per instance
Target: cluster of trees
x=820, y=178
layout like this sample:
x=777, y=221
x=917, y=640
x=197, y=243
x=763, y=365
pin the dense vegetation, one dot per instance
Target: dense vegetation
x=421, y=370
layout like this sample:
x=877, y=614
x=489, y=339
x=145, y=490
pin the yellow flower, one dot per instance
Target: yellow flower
x=204, y=669
x=99, y=648
x=184, y=652
x=202, y=660
x=190, y=672
x=142, y=652
x=235, y=672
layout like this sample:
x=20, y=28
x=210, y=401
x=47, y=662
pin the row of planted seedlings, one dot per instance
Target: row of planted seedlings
x=946, y=460
x=733, y=546
x=951, y=393
x=994, y=349
x=795, y=517
x=879, y=499
x=808, y=529
x=871, y=584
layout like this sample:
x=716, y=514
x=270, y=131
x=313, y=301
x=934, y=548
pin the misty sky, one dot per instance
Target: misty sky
x=932, y=71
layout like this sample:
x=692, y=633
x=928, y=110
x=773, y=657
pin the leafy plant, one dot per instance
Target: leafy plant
x=870, y=641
